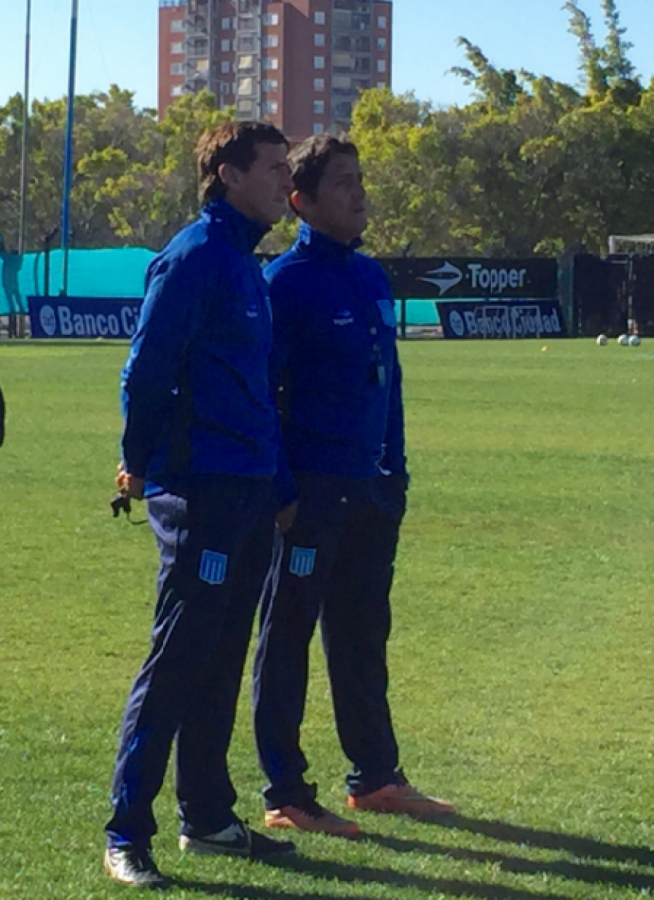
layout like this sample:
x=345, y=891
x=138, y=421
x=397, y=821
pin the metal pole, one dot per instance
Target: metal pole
x=26, y=124
x=68, y=161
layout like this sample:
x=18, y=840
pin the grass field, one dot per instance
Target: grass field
x=521, y=657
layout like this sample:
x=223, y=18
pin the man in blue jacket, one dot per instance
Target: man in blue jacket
x=335, y=357
x=200, y=442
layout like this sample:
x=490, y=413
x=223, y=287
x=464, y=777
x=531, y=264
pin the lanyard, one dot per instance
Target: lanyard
x=377, y=367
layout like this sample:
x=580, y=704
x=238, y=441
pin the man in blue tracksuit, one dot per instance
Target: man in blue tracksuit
x=335, y=357
x=201, y=442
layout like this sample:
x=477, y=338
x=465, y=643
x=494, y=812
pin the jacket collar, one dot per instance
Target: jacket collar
x=244, y=233
x=315, y=243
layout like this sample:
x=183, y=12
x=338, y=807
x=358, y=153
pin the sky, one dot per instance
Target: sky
x=118, y=43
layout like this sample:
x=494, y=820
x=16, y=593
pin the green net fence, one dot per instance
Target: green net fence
x=91, y=273
x=106, y=273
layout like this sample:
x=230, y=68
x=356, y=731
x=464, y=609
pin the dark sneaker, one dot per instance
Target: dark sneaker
x=235, y=840
x=134, y=866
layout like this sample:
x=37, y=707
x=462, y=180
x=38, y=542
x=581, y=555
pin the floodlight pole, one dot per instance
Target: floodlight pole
x=68, y=161
x=26, y=124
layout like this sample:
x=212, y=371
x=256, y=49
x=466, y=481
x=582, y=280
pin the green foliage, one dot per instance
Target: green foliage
x=520, y=656
x=530, y=166
x=134, y=177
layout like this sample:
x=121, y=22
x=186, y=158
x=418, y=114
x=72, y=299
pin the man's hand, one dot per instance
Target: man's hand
x=285, y=517
x=128, y=484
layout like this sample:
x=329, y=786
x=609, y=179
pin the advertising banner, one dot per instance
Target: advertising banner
x=520, y=319
x=455, y=277
x=83, y=317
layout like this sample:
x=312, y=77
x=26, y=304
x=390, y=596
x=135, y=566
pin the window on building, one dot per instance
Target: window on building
x=271, y=19
x=318, y=128
x=381, y=85
x=271, y=40
x=319, y=40
x=341, y=84
x=177, y=25
x=270, y=84
x=343, y=62
x=381, y=22
x=381, y=43
x=318, y=107
x=319, y=18
x=381, y=65
x=245, y=43
x=226, y=23
x=177, y=90
x=319, y=62
x=225, y=68
x=271, y=62
x=177, y=47
x=319, y=84
x=177, y=68
x=270, y=107
x=225, y=45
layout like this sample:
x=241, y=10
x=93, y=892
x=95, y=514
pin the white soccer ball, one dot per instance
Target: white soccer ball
x=634, y=341
x=602, y=340
x=623, y=340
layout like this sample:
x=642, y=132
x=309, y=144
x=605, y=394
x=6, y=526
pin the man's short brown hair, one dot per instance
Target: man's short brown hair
x=234, y=143
x=309, y=160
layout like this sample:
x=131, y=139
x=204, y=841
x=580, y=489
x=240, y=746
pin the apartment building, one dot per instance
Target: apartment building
x=298, y=63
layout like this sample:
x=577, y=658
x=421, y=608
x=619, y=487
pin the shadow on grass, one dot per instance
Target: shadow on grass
x=346, y=874
x=243, y=892
x=552, y=840
x=548, y=840
x=520, y=866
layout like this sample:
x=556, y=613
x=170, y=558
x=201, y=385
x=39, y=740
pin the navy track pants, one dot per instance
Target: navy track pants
x=334, y=565
x=215, y=547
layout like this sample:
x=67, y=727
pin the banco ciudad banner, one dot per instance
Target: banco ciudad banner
x=83, y=317
x=496, y=319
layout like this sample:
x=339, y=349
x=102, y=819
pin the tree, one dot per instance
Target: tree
x=134, y=179
x=531, y=165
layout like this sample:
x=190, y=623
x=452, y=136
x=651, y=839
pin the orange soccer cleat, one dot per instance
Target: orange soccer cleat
x=311, y=816
x=402, y=799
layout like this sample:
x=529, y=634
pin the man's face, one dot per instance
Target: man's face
x=262, y=192
x=339, y=207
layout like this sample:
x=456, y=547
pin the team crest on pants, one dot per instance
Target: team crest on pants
x=213, y=567
x=303, y=560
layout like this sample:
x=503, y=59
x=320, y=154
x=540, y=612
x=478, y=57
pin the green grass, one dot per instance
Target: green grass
x=521, y=657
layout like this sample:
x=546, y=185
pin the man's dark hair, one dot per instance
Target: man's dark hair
x=234, y=143
x=309, y=160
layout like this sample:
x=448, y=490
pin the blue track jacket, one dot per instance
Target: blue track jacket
x=196, y=397
x=334, y=355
